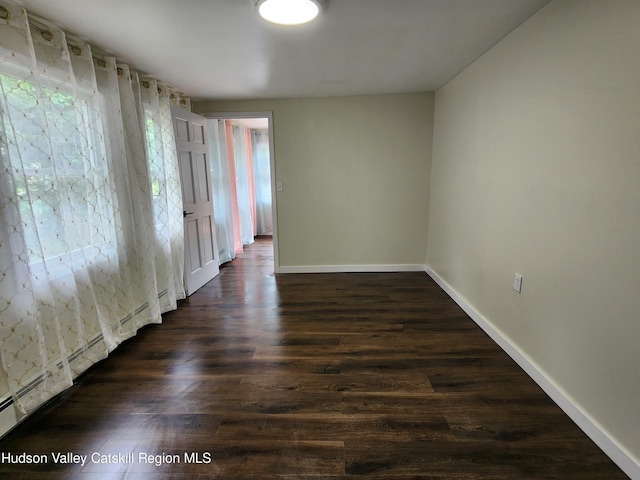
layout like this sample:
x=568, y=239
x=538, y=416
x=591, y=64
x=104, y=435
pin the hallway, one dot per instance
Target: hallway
x=317, y=376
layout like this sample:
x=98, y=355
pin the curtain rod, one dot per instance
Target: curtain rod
x=43, y=26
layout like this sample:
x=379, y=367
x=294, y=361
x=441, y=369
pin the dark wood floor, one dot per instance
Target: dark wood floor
x=325, y=376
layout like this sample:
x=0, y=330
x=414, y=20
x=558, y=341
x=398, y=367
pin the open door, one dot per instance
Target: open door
x=201, y=251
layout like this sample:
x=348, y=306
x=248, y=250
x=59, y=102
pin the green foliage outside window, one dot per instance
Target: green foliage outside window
x=53, y=156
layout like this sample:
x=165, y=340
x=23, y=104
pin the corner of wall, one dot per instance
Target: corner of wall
x=618, y=454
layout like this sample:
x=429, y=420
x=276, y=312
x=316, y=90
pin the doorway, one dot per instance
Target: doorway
x=243, y=180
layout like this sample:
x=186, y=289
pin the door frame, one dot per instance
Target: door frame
x=272, y=166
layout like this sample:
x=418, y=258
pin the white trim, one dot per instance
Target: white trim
x=350, y=268
x=618, y=454
x=272, y=154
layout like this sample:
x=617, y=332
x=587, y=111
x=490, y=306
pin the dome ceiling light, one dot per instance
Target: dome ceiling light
x=289, y=12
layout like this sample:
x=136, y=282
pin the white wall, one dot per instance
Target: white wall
x=536, y=170
x=355, y=174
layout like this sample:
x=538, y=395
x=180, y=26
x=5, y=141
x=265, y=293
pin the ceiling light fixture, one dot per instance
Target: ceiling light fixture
x=289, y=12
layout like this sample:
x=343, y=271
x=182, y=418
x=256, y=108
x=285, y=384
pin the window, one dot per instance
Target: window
x=80, y=269
x=59, y=179
x=156, y=169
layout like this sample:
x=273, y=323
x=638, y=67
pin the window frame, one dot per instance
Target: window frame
x=88, y=121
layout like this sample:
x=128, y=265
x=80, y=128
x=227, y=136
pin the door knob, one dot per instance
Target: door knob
x=185, y=213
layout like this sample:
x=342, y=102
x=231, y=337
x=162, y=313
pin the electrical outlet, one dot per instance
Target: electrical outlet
x=517, y=282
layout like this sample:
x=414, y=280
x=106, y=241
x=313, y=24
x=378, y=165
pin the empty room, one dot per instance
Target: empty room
x=386, y=239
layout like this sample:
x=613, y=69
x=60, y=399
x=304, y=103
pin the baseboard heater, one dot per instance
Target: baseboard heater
x=8, y=402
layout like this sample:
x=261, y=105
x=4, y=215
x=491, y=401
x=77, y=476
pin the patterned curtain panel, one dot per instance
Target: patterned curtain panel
x=91, y=236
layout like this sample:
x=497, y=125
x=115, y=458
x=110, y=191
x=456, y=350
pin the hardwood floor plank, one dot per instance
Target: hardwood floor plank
x=308, y=376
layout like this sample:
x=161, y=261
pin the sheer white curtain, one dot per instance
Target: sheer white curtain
x=262, y=164
x=245, y=184
x=90, y=206
x=222, y=192
x=165, y=191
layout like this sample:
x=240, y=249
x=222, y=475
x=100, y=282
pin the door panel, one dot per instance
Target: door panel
x=201, y=251
x=182, y=129
x=199, y=133
x=193, y=246
x=186, y=171
x=202, y=166
x=208, y=240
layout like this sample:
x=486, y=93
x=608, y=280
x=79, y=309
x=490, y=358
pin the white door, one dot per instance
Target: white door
x=201, y=251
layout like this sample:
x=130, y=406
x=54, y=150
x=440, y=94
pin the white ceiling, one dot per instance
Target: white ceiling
x=220, y=49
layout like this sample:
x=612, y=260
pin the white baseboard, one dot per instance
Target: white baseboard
x=618, y=454
x=350, y=268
